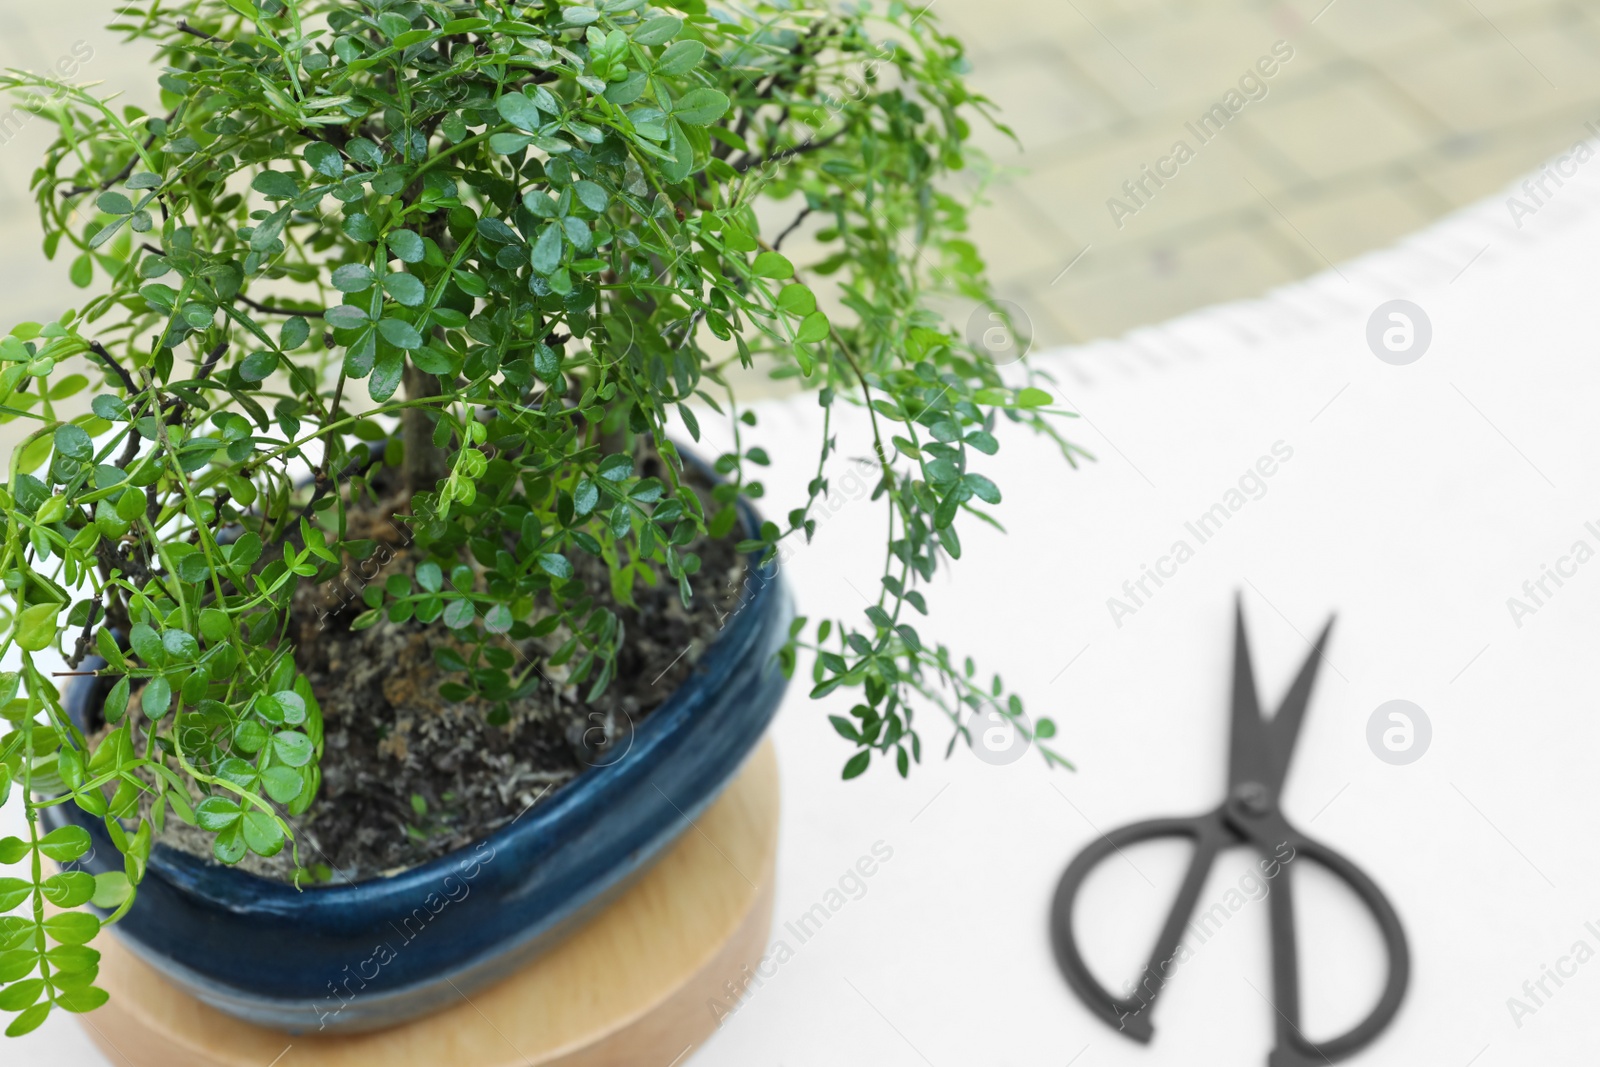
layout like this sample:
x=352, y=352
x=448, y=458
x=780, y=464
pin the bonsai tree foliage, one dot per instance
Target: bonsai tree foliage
x=504, y=252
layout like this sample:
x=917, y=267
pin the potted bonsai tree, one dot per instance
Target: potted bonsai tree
x=383, y=525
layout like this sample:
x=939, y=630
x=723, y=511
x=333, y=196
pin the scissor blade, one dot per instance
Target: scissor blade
x=1285, y=725
x=1249, y=757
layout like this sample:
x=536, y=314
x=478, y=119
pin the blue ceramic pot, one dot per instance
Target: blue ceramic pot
x=372, y=954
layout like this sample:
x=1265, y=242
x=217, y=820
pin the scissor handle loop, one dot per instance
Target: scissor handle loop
x=1131, y=1014
x=1293, y=1049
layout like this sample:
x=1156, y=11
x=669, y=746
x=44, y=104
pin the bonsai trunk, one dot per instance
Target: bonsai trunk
x=425, y=463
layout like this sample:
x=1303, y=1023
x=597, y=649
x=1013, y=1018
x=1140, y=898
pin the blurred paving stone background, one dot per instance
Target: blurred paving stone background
x=1387, y=114
x=35, y=36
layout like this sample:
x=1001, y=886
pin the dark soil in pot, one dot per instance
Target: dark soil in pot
x=408, y=775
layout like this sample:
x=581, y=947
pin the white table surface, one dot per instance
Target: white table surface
x=1417, y=500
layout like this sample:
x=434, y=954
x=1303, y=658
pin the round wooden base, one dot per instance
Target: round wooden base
x=637, y=985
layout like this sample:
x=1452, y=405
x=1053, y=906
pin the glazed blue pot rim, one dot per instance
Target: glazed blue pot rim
x=574, y=802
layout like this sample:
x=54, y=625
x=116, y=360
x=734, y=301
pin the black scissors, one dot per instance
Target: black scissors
x=1258, y=763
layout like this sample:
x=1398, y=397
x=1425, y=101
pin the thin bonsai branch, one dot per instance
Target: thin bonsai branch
x=804, y=148
x=266, y=309
x=182, y=26
x=81, y=649
x=805, y=213
x=362, y=461
x=117, y=368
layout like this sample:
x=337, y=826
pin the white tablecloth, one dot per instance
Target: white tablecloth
x=1413, y=500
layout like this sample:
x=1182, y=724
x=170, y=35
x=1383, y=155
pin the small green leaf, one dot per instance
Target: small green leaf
x=680, y=153
x=701, y=107
x=658, y=30
x=265, y=235
x=29, y=1020
x=258, y=366
x=180, y=645
x=69, y=889
x=628, y=89
x=111, y=889
x=267, y=706
x=982, y=488
x=293, y=706
x=282, y=784
x=539, y=203
x=110, y=408
x=591, y=195
x=216, y=813
x=73, y=961
x=324, y=159
x=292, y=747
x=113, y=203
x=214, y=624
x=352, y=278
x=344, y=317
x=294, y=333
x=585, y=497
x=400, y=333
x=406, y=246
x=681, y=57
x=358, y=227
x=36, y=627
x=813, y=328
x=407, y=289
x=616, y=468
x=73, y=442
x=459, y=614
x=72, y=928
x=83, y=999
x=17, y=963
x=386, y=375
x=276, y=185
x=546, y=254
x=14, y=891
x=249, y=736
x=772, y=265
x=518, y=110
x=229, y=846
x=797, y=300
x=156, y=698
x=116, y=704
x=505, y=144
x=262, y=833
